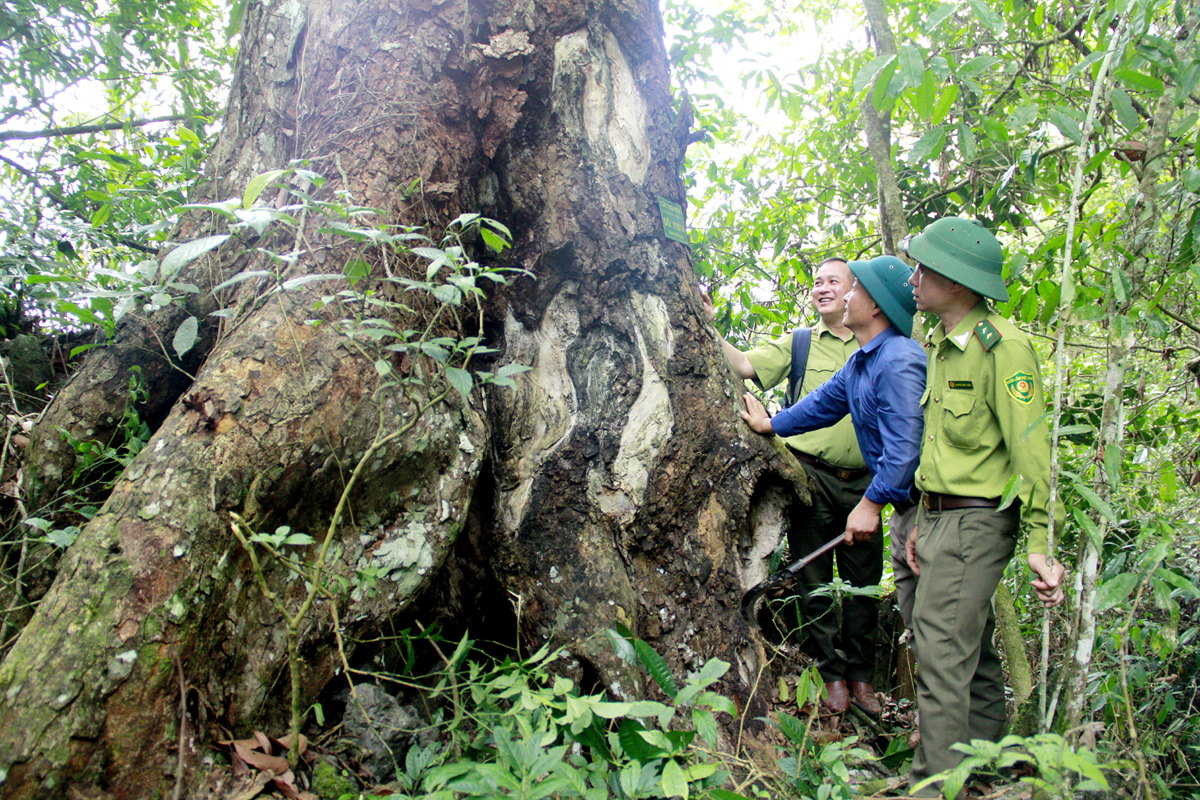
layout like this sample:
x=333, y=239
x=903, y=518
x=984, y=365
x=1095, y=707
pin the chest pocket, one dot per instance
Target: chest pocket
x=963, y=419
x=818, y=371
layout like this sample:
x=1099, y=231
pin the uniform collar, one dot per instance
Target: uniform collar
x=821, y=328
x=961, y=334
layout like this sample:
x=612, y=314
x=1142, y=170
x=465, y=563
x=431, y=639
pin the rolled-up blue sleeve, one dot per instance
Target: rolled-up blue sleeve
x=820, y=408
x=898, y=390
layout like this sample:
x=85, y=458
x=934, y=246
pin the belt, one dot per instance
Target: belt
x=841, y=473
x=935, y=501
x=914, y=498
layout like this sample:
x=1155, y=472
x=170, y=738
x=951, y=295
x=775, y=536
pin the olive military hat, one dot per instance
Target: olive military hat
x=886, y=279
x=963, y=251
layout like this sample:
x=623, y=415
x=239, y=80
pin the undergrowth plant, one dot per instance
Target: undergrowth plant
x=514, y=729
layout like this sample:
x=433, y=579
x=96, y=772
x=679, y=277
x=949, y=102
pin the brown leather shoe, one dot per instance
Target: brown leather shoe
x=864, y=697
x=838, y=700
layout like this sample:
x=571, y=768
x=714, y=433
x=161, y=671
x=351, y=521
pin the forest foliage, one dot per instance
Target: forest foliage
x=992, y=108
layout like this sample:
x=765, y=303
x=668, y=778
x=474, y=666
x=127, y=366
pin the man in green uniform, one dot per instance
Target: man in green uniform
x=984, y=392
x=831, y=458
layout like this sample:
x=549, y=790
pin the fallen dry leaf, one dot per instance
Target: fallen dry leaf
x=260, y=760
x=252, y=786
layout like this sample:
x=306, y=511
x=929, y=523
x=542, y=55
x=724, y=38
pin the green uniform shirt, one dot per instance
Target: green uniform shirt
x=772, y=363
x=984, y=391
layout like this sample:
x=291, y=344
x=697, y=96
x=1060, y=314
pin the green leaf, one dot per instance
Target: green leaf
x=611, y=710
x=863, y=78
x=1089, y=527
x=1112, y=464
x=1066, y=125
x=911, y=64
x=622, y=645
x=185, y=336
x=940, y=14
x=1122, y=327
x=925, y=96
x=966, y=141
x=189, y=251
x=1189, y=589
x=673, y=782
x=1012, y=490
x=984, y=13
x=304, y=280
x=461, y=380
x=657, y=668
x=64, y=537
x=1022, y=116
x=629, y=734
x=717, y=702
x=1094, y=500
x=928, y=147
x=299, y=540
x=994, y=129
x=257, y=184
x=879, y=97
x=975, y=66
x=944, y=104
x=1184, y=126
x=706, y=725
x=494, y=242
x=1115, y=591
x=1126, y=114
x=383, y=367
x=792, y=728
x=1139, y=80
x=698, y=772
x=1167, y=483
x=101, y=215
x=1121, y=284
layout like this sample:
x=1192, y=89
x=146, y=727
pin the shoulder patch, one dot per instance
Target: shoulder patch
x=1020, y=387
x=989, y=337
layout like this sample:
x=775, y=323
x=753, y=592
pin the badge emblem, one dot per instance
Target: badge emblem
x=1020, y=386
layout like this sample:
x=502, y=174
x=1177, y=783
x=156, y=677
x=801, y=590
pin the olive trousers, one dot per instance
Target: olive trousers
x=960, y=686
x=844, y=651
x=900, y=526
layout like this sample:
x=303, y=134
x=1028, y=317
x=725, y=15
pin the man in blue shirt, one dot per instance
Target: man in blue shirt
x=880, y=386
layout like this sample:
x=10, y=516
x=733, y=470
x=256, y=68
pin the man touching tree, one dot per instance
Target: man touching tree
x=981, y=412
x=838, y=475
x=880, y=387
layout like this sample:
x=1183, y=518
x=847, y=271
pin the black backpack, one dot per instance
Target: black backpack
x=801, y=344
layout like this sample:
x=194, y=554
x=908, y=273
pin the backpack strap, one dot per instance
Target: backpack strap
x=801, y=344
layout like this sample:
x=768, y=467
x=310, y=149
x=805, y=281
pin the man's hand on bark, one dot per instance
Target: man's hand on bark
x=755, y=415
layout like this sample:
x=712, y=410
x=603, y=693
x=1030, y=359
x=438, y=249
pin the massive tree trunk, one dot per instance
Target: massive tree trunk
x=614, y=484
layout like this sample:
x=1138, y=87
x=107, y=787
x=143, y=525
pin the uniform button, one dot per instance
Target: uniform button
x=931, y=437
x=923, y=478
x=941, y=358
x=937, y=399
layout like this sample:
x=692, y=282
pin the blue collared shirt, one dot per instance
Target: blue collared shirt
x=880, y=387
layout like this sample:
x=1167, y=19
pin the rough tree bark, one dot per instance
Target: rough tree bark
x=893, y=223
x=616, y=483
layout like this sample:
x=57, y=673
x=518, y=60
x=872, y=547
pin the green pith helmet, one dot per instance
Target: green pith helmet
x=963, y=251
x=886, y=279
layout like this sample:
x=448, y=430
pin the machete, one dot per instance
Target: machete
x=781, y=579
